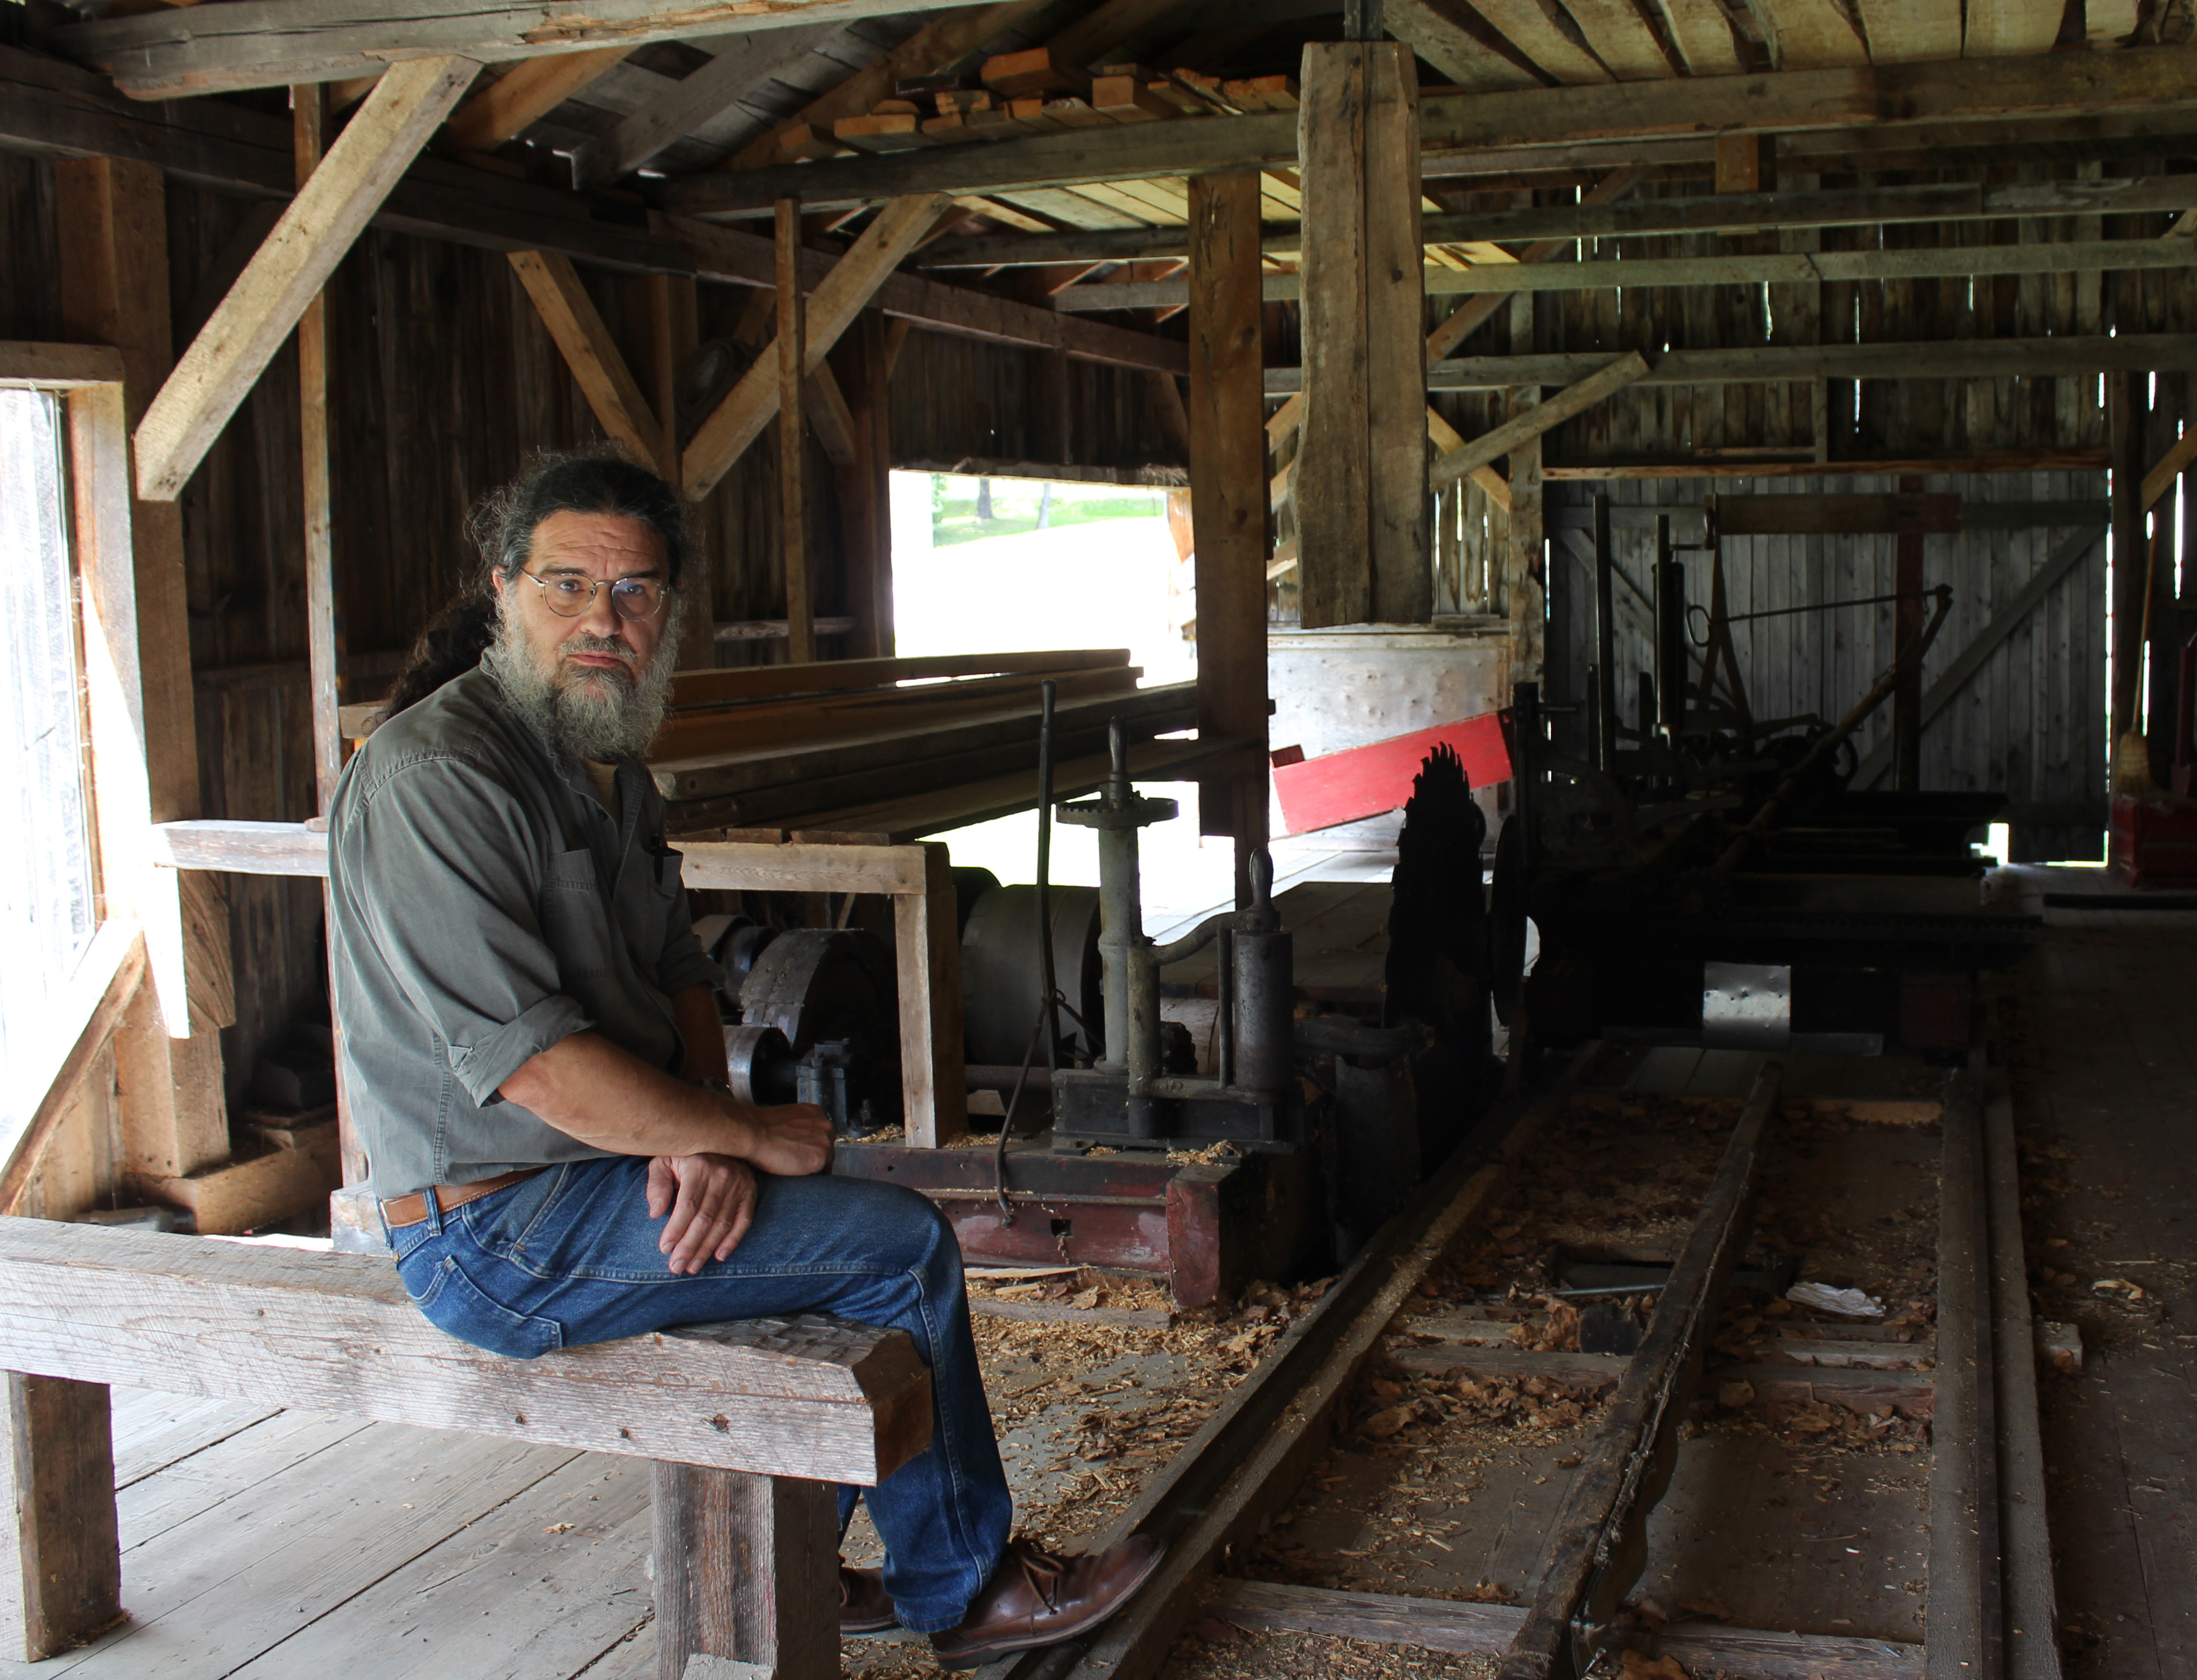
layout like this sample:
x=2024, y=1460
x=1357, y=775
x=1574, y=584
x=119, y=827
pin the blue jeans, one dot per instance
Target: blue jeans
x=569, y=1257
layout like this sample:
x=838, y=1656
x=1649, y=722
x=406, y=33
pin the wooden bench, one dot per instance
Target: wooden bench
x=747, y=1423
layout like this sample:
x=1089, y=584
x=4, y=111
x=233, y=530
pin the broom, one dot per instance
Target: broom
x=2132, y=776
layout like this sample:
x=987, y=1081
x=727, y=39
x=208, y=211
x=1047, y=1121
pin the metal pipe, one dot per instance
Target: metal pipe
x=1264, y=1004
x=1670, y=634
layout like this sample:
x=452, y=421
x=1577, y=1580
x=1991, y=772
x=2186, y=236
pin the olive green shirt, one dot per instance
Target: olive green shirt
x=484, y=904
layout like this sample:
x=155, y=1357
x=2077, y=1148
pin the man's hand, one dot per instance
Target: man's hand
x=711, y=1199
x=790, y=1141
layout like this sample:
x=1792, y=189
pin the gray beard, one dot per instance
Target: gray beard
x=579, y=719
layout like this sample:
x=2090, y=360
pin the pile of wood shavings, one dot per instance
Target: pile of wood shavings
x=1219, y=1650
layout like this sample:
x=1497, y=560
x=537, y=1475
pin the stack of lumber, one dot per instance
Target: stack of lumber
x=893, y=749
x=1039, y=91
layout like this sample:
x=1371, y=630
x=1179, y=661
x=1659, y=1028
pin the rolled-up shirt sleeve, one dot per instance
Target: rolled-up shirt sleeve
x=445, y=880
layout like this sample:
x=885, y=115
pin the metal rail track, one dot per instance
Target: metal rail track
x=1990, y=1611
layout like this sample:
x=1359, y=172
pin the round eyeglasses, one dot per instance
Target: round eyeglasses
x=568, y=594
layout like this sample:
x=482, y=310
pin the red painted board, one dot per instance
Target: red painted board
x=1368, y=780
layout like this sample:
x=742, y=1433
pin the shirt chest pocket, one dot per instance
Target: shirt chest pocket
x=575, y=921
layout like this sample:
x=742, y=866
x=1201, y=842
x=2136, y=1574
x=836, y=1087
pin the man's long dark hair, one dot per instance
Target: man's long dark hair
x=502, y=527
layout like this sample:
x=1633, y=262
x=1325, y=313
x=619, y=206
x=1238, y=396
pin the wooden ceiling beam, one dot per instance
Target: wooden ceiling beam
x=1771, y=269
x=1544, y=416
x=329, y=211
x=262, y=43
x=1459, y=129
x=747, y=63
x=525, y=94
x=2058, y=356
x=592, y=353
x=58, y=110
x=1956, y=201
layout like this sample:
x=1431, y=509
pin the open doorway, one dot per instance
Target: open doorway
x=989, y=564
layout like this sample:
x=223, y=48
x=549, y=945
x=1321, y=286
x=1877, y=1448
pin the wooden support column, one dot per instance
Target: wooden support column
x=2124, y=422
x=792, y=439
x=927, y=944
x=1524, y=568
x=865, y=487
x=113, y=218
x=1361, y=472
x=61, y=1559
x=744, y=1574
x=1228, y=496
x=1906, y=625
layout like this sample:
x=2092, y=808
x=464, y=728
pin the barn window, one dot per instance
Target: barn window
x=48, y=907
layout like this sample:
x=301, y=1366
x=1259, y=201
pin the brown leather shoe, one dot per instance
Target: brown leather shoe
x=863, y=1606
x=1035, y=1598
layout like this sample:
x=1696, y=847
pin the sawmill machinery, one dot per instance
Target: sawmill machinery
x=1705, y=876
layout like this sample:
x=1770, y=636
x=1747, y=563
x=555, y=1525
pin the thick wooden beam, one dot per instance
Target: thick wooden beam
x=324, y=609
x=865, y=487
x=589, y=351
x=266, y=43
x=1228, y=496
x=2052, y=358
x=508, y=107
x=748, y=408
x=1600, y=219
x=249, y=326
x=792, y=440
x=1361, y=496
x=927, y=963
x=744, y=1580
x=1461, y=127
x=112, y=222
x=2161, y=479
x=1789, y=268
x=747, y=63
x=1540, y=417
x=1436, y=30
x=121, y=951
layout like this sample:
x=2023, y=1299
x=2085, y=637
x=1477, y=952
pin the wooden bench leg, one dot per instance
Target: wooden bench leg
x=61, y=1581
x=747, y=1580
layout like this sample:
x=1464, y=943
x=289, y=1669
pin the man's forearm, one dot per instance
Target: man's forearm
x=701, y=1031
x=589, y=1089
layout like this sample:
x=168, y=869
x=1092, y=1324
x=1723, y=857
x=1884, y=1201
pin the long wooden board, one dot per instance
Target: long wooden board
x=808, y=1397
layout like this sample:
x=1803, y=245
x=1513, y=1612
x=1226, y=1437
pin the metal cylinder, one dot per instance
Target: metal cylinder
x=759, y=1065
x=1121, y=932
x=1265, y=973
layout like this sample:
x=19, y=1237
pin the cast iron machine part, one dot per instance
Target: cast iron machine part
x=1126, y=1098
x=810, y=1018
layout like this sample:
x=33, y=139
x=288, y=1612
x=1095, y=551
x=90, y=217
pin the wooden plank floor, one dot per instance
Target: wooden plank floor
x=2105, y=1075
x=293, y=1545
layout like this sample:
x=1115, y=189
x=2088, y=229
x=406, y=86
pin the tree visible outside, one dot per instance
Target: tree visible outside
x=967, y=510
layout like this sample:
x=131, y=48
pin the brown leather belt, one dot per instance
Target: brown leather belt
x=402, y=1210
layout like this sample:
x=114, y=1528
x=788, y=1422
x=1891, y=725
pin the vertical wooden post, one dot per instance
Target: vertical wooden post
x=865, y=487
x=745, y=1571
x=2124, y=423
x=112, y=215
x=927, y=946
x=1228, y=496
x=1524, y=564
x=1743, y=163
x=1906, y=624
x=669, y=305
x=323, y=613
x=309, y=117
x=60, y=1561
x=792, y=440
x=1361, y=474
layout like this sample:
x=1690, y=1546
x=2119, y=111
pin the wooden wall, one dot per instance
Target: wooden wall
x=2031, y=723
x=957, y=399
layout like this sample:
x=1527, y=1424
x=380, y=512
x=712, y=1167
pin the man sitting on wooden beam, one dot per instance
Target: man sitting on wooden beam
x=534, y=1058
